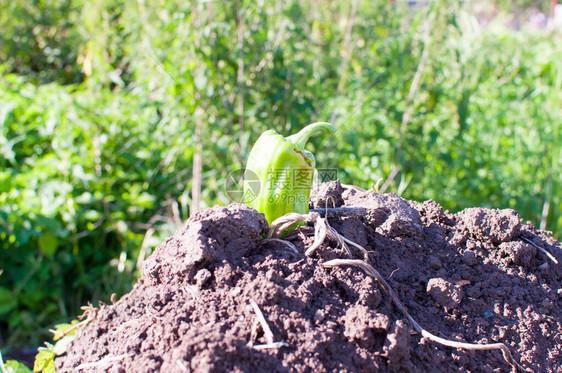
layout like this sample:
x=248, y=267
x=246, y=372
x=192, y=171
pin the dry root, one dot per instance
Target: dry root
x=289, y=244
x=323, y=230
x=369, y=270
x=90, y=313
x=550, y=256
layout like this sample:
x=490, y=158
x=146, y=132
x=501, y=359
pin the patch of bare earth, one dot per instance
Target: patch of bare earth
x=477, y=276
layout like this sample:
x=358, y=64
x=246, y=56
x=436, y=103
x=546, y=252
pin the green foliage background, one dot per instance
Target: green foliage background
x=100, y=101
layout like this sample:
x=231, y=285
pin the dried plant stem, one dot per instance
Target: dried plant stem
x=282, y=223
x=101, y=362
x=369, y=270
x=289, y=244
x=268, y=334
x=541, y=249
x=181, y=366
x=271, y=346
x=253, y=333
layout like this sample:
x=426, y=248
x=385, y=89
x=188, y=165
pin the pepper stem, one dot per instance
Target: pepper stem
x=300, y=138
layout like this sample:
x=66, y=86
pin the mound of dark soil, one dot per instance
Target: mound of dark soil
x=475, y=276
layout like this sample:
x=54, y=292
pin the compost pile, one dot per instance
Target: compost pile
x=479, y=276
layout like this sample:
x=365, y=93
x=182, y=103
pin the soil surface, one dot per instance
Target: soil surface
x=475, y=276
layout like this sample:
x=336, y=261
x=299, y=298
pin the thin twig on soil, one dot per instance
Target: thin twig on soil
x=541, y=249
x=320, y=234
x=393, y=272
x=253, y=333
x=270, y=346
x=268, y=334
x=353, y=187
x=182, y=367
x=284, y=242
x=369, y=270
x=334, y=235
x=102, y=361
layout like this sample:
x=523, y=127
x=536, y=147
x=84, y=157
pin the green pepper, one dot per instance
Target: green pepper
x=280, y=171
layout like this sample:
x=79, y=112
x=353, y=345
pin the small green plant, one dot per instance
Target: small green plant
x=63, y=335
x=12, y=366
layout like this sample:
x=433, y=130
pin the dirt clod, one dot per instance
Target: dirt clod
x=494, y=225
x=365, y=326
x=327, y=194
x=389, y=214
x=519, y=253
x=469, y=258
x=469, y=277
x=397, y=347
x=445, y=293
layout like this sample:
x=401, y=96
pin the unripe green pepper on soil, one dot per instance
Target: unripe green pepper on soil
x=284, y=170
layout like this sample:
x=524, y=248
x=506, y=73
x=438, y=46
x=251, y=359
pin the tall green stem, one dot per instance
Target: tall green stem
x=300, y=138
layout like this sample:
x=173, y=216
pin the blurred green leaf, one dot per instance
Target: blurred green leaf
x=7, y=301
x=13, y=366
x=62, y=344
x=44, y=360
x=48, y=243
